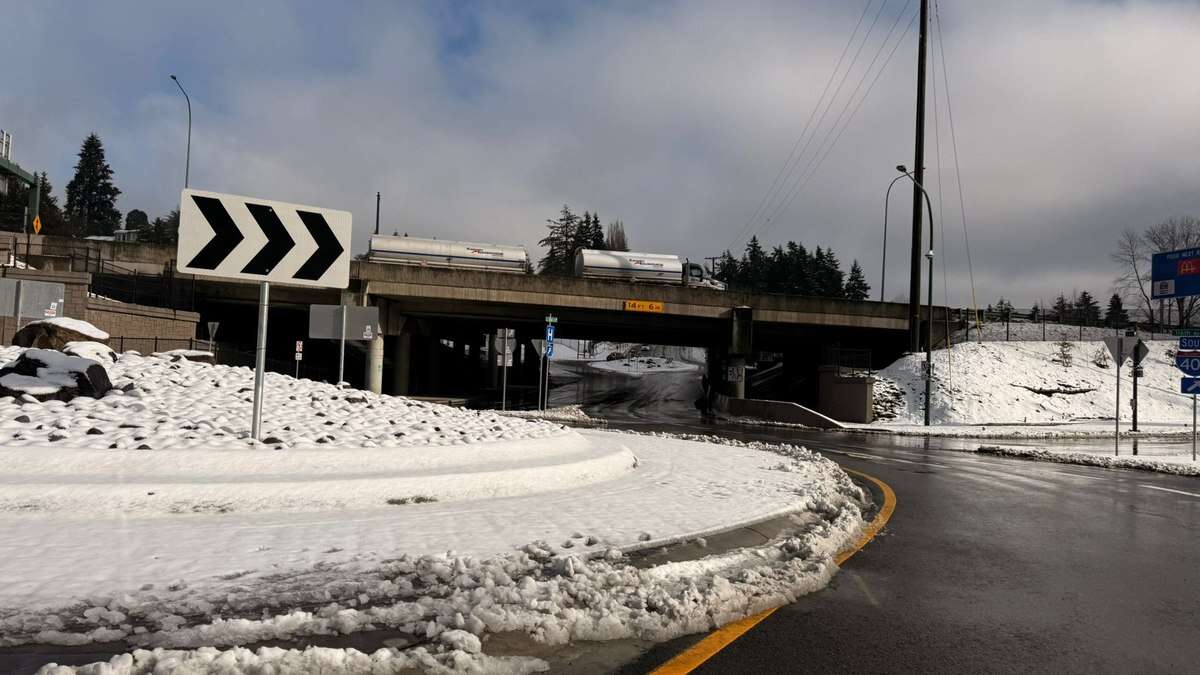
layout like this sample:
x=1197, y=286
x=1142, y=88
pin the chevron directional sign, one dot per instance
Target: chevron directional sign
x=249, y=239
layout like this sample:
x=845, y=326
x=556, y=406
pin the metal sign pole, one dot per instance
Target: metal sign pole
x=541, y=357
x=1117, y=417
x=342, y=347
x=1193, y=427
x=504, y=373
x=260, y=360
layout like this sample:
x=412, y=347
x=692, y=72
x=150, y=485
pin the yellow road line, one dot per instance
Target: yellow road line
x=691, y=658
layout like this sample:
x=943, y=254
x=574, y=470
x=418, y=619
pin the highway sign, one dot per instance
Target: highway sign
x=1188, y=362
x=643, y=306
x=1189, y=385
x=1175, y=273
x=250, y=239
x=1189, y=343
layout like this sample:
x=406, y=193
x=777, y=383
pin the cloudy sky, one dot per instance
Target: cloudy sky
x=477, y=120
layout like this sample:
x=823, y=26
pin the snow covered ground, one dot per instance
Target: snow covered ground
x=1029, y=331
x=148, y=515
x=644, y=365
x=568, y=414
x=1180, y=463
x=1025, y=389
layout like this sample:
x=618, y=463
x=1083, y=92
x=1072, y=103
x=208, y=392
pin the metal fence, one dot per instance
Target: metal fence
x=849, y=362
x=1026, y=325
x=223, y=354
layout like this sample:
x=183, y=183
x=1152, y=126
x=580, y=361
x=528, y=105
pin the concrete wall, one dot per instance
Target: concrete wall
x=774, y=411
x=139, y=321
x=847, y=398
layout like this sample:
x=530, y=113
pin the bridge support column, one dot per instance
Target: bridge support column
x=402, y=364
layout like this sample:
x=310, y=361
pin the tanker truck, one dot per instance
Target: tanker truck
x=447, y=253
x=646, y=268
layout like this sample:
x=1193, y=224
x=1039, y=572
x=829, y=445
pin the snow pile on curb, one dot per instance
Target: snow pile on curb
x=1182, y=467
x=553, y=594
x=643, y=365
x=567, y=414
x=1026, y=383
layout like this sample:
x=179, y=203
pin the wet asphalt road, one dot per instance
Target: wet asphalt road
x=988, y=564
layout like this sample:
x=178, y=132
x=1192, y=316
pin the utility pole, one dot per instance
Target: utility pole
x=377, y=197
x=914, y=286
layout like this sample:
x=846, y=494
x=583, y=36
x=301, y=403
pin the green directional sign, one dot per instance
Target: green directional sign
x=1186, y=332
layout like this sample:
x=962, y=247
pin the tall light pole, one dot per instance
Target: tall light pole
x=914, y=287
x=883, y=275
x=929, y=332
x=187, y=165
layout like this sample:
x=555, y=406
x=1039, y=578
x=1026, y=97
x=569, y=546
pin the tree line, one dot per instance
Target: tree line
x=91, y=204
x=792, y=269
x=1081, y=309
x=570, y=232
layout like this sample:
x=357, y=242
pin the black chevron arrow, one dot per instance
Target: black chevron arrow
x=226, y=235
x=328, y=247
x=279, y=242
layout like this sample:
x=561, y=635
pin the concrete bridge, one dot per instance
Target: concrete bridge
x=435, y=322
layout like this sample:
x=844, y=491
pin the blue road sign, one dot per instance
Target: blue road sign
x=1189, y=344
x=549, y=340
x=1188, y=362
x=1175, y=274
x=1190, y=385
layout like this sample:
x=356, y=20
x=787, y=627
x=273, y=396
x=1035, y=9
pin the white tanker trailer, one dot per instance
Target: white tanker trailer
x=446, y=253
x=650, y=268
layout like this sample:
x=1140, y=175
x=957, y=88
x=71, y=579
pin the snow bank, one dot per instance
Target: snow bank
x=1018, y=383
x=643, y=365
x=1180, y=465
x=568, y=414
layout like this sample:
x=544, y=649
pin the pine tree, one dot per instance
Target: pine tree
x=616, y=239
x=753, y=266
x=1087, y=309
x=800, y=281
x=1035, y=314
x=856, y=284
x=726, y=268
x=91, y=196
x=1063, y=310
x=1116, y=316
x=48, y=211
x=560, y=244
x=596, y=233
x=827, y=273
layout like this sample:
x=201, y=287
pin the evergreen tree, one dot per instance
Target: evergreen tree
x=1087, y=309
x=596, y=233
x=800, y=281
x=616, y=239
x=1063, y=310
x=856, y=284
x=91, y=196
x=1116, y=316
x=726, y=268
x=48, y=211
x=164, y=229
x=560, y=244
x=1035, y=314
x=753, y=267
x=137, y=220
x=828, y=279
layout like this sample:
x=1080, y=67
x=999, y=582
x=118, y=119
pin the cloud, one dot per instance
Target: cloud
x=1074, y=120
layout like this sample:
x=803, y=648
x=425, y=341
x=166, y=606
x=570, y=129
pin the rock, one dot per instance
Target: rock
x=45, y=375
x=96, y=351
x=52, y=334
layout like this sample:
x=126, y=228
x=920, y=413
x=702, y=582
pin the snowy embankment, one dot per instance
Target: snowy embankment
x=1180, y=464
x=567, y=414
x=149, y=516
x=1026, y=389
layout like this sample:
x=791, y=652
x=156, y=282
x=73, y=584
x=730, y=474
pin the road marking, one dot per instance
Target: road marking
x=692, y=657
x=1178, y=492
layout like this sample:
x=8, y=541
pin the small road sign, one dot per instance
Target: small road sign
x=325, y=322
x=299, y=346
x=37, y=224
x=1175, y=273
x=1189, y=385
x=1121, y=348
x=234, y=237
x=643, y=306
x=1140, y=351
x=539, y=345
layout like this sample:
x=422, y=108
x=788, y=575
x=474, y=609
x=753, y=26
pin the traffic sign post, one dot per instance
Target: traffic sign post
x=544, y=373
x=1121, y=348
x=504, y=337
x=251, y=239
x=299, y=356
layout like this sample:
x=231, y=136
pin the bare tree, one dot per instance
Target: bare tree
x=1134, y=264
x=616, y=240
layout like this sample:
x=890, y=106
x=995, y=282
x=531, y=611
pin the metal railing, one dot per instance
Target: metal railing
x=223, y=354
x=1026, y=325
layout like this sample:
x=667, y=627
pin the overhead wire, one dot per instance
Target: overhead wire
x=806, y=178
x=776, y=184
x=957, y=168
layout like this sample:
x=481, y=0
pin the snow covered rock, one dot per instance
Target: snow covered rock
x=96, y=351
x=196, y=355
x=49, y=375
x=56, y=333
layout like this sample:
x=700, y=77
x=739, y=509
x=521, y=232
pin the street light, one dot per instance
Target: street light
x=187, y=166
x=929, y=334
x=883, y=275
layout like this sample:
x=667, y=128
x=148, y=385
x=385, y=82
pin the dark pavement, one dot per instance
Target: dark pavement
x=987, y=565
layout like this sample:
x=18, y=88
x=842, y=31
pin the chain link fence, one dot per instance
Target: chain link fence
x=1031, y=325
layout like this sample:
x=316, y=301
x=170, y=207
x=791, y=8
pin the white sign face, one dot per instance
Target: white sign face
x=299, y=346
x=249, y=239
x=299, y=356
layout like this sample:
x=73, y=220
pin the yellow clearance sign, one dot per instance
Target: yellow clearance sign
x=643, y=306
x=37, y=224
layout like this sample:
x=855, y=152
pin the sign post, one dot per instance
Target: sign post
x=341, y=323
x=545, y=386
x=250, y=239
x=504, y=337
x=299, y=356
x=1121, y=348
x=1187, y=359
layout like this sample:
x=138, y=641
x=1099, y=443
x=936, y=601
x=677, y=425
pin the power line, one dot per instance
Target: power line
x=805, y=180
x=776, y=184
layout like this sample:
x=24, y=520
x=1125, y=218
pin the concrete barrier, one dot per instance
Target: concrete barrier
x=774, y=411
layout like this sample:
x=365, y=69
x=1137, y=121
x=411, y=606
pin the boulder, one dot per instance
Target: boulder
x=96, y=351
x=56, y=333
x=49, y=375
